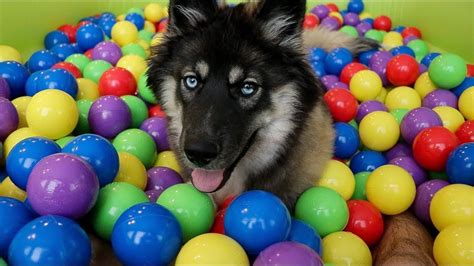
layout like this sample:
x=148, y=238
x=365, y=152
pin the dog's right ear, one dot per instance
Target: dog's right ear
x=189, y=14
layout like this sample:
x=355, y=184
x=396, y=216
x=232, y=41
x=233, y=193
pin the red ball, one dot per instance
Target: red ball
x=117, y=81
x=70, y=68
x=383, y=23
x=332, y=7
x=156, y=111
x=162, y=25
x=310, y=21
x=350, y=70
x=465, y=132
x=82, y=23
x=218, y=226
x=227, y=202
x=365, y=221
x=432, y=146
x=411, y=31
x=88, y=53
x=342, y=104
x=402, y=70
x=70, y=32
x=470, y=70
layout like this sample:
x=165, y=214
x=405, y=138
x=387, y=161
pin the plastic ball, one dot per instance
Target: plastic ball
x=350, y=70
x=157, y=128
x=303, y=233
x=447, y=71
x=342, y=104
x=288, y=253
x=379, y=131
x=460, y=165
x=355, y=6
x=392, y=39
x=4, y=88
x=336, y=60
x=52, y=114
x=383, y=23
x=138, y=143
x=440, y=98
x=424, y=195
x=138, y=109
x=154, y=12
x=331, y=23
x=134, y=49
x=419, y=47
x=363, y=27
x=83, y=124
x=58, y=79
x=167, y=159
x=9, y=190
x=135, y=64
x=391, y=189
x=402, y=50
x=368, y=107
x=70, y=32
x=88, y=36
x=16, y=75
x=87, y=89
x=466, y=102
x=114, y=199
x=317, y=54
x=452, y=205
x=51, y=240
x=117, y=81
x=79, y=60
x=62, y=184
x=310, y=21
x=402, y=97
x=365, y=85
x=109, y=115
x=454, y=245
x=64, y=141
x=131, y=171
x=360, y=181
x=408, y=163
x=374, y=35
x=107, y=51
x=399, y=114
x=161, y=178
x=273, y=216
x=346, y=142
x=124, y=32
x=106, y=24
x=148, y=229
x=9, y=118
x=365, y=221
x=427, y=59
x=62, y=51
x=345, y=248
x=452, y=119
x=338, y=176
x=402, y=70
x=193, y=209
x=69, y=67
x=15, y=137
x=95, y=69
x=144, y=91
x=466, y=84
x=465, y=132
x=8, y=53
x=367, y=161
x=424, y=85
x=42, y=60
x=136, y=19
x=432, y=147
x=416, y=120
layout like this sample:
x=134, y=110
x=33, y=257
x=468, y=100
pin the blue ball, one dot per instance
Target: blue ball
x=55, y=37
x=107, y=15
x=303, y=233
x=429, y=58
x=136, y=19
x=147, y=229
x=64, y=50
x=318, y=68
x=42, y=60
x=88, y=36
x=466, y=83
x=317, y=54
x=25, y=155
x=460, y=164
x=99, y=153
x=257, y=219
x=402, y=50
x=336, y=60
x=367, y=161
x=14, y=216
x=369, y=20
x=355, y=6
x=59, y=79
x=31, y=86
x=399, y=29
x=50, y=240
x=364, y=57
x=106, y=24
x=346, y=142
x=16, y=75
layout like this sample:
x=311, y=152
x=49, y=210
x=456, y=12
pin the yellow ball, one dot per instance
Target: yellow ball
x=52, y=114
x=452, y=204
x=88, y=89
x=379, y=131
x=133, y=63
x=365, y=85
x=157, y=39
x=124, y=32
x=168, y=159
x=382, y=95
x=338, y=177
x=149, y=26
x=424, y=85
x=145, y=46
x=466, y=103
x=15, y=137
x=392, y=39
x=391, y=189
x=10, y=190
x=21, y=103
x=345, y=248
x=131, y=170
x=455, y=245
x=402, y=98
x=212, y=249
x=154, y=12
x=8, y=53
x=121, y=17
x=452, y=118
x=364, y=15
x=337, y=15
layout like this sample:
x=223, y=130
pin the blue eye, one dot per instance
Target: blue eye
x=191, y=82
x=248, y=89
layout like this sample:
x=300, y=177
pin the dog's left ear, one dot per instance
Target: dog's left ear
x=282, y=21
x=185, y=15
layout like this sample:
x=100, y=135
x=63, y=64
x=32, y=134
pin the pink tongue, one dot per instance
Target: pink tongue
x=207, y=180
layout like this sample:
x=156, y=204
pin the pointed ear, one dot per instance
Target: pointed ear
x=282, y=21
x=189, y=14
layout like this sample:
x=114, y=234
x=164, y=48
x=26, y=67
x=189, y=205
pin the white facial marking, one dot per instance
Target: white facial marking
x=203, y=69
x=236, y=73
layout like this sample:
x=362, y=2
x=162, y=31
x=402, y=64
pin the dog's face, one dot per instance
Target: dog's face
x=229, y=79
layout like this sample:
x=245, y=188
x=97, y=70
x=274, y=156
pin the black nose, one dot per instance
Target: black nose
x=201, y=153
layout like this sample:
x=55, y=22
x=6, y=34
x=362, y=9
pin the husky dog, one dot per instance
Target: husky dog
x=245, y=109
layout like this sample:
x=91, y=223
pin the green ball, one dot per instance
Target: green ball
x=447, y=71
x=374, y=35
x=137, y=108
x=438, y=175
x=137, y=142
x=145, y=91
x=194, y=210
x=83, y=106
x=64, y=141
x=360, y=180
x=350, y=30
x=2, y=262
x=113, y=200
x=79, y=60
x=399, y=114
x=145, y=35
x=354, y=124
x=136, y=10
x=95, y=69
x=324, y=209
x=134, y=49
x=419, y=47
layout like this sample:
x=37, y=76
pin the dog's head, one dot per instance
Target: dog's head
x=233, y=83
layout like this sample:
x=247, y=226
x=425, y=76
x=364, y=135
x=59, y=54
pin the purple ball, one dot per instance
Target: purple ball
x=288, y=253
x=108, y=116
x=153, y=194
x=8, y=118
x=4, y=88
x=321, y=11
x=419, y=175
x=378, y=63
x=424, y=195
x=330, y=23
x=62, y=184
x=422, y=68
x=107, y=51
x=351, y=19
x=339, y=85
x=368, y=107
x=363, y=27
x=440, y=98
x=416, y=120
x=328, y=80
x=399, y=150
x=408, y=39
x=156, y=128
x=161, y=178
